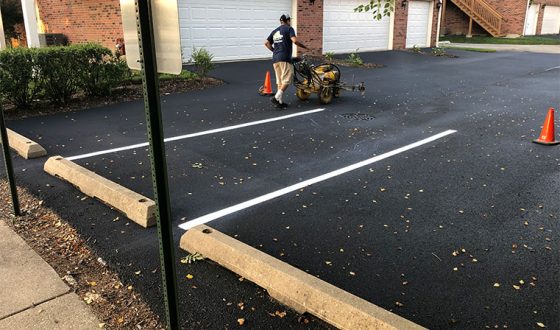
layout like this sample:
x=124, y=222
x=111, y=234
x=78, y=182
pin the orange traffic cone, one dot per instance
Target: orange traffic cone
x=266, y=89
x=547, y=136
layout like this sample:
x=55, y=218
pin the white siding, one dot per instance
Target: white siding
x=229, y=29
x=344, y=31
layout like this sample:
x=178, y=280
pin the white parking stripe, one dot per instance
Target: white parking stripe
x=232, y=209
x=187, y=136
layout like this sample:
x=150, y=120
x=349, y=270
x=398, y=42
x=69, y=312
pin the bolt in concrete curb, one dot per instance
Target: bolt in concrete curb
x=24, y=147
x=291, y=286
x=135, y=206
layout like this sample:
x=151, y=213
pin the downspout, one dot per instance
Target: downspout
x=29, y=9
x=438, y=23
x=2, y=35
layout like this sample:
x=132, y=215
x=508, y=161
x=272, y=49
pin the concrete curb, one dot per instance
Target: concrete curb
x=135, y=206
x=291, y=286
x=25, y=147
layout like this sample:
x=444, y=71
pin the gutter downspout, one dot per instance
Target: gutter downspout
x=29, y=9
x=2, y=35
x=438, y=24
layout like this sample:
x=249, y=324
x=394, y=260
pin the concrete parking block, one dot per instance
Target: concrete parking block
x=291, y=286
x=135, y=206
x=25, y=147
x=67, y=312
x=25, y=279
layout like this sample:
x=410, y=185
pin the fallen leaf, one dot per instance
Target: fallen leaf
x=541, y=325
x=280, y=314
x=399, y=304
x=241, y=321
x=189, y=277
x=496, y=285
x=516, y=287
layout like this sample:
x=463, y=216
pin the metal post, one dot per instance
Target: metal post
x=152, y=108
x=8, y=163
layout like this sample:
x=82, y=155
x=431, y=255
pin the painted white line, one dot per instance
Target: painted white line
x=188, y=136
x=235, y=208
x=550, y=69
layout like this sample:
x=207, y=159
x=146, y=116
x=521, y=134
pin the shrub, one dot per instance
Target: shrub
x=438, y=51
x=18, y=76
x=60, y=72
x=355, y=59
x=416, y=49
x=100, y=70
x=57, y=73
x=329, y=56
x=202, y=60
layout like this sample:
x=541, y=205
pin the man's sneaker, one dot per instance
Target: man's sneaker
x=282, y=106
x=274, y=101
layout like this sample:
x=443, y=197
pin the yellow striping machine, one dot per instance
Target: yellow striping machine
x=323, y=79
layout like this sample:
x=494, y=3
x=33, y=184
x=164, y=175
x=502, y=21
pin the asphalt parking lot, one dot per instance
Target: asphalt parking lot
x=427, y=232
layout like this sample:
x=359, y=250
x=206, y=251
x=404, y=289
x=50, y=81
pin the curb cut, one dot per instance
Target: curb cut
x=25, y=147
x=135, y=206
x=291, y=286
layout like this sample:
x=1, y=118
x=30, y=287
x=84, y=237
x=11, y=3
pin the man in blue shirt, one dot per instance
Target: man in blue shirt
x=280, y=44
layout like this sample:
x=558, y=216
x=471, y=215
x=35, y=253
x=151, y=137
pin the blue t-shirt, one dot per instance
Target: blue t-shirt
x=281, y=40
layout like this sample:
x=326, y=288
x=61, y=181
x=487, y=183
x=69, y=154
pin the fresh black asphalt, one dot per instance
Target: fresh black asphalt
x=386, y=232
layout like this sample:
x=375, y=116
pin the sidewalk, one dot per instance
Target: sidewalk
x=32, y=295
x=550, y=49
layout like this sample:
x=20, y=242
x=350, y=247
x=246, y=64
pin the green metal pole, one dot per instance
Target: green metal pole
x=158, y=160
x=8, y=163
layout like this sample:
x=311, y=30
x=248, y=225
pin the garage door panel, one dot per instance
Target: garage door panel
x=551, y=20
x=417, y=30
x=229, y=29
x=344, y=31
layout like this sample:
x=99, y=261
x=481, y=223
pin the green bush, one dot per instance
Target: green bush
x=58, y=73
x=202, y=60
x=19, y=79
x=355, y=59
x=438, y=51
x=100, y=71
x=329, y=56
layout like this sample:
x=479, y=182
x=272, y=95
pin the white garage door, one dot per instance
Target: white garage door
x=532, y=17
x=551, y=20
x=418, y=26
x=229, y=29
x=344, y=31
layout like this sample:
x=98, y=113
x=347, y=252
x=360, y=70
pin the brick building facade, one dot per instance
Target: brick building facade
x=456, y=22
x=100, y=21
x=82, y=21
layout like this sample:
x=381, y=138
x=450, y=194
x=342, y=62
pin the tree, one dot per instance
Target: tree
x=11, y=15
x=379, y=8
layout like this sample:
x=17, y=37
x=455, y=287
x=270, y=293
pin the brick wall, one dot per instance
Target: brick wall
x=310, y=26
x=513, y=11
x=540, y=20
x=434, y=26
x=401, y=19
x=83, y=20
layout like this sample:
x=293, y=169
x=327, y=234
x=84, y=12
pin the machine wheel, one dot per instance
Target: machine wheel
x=326, y=95
x=337, y=92
x=302, y=94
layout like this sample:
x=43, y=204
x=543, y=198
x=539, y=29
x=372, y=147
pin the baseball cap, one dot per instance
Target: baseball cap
x=285, y=17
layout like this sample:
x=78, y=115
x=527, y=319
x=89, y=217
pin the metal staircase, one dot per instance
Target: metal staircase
x=483, y=13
